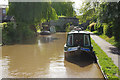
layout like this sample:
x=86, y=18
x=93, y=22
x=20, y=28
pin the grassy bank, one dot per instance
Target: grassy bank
x=110, y=40
x=107, y=65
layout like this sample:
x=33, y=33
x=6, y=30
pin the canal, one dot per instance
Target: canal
x=44, y=58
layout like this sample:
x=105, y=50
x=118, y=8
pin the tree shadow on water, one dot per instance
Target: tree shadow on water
x=33, y=41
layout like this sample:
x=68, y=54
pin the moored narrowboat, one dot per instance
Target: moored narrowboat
x=45, y=33
x=78, y=42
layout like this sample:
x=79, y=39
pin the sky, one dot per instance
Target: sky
x=77, y=5
x=3, y=2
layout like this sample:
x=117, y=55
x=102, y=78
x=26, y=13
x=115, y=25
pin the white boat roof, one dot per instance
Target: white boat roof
x=84, y=32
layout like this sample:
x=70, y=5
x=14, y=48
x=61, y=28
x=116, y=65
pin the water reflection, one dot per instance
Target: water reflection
x=5, y=63
x=44, y=59
x=82, y=66
x=47, y=39
x=81, y=60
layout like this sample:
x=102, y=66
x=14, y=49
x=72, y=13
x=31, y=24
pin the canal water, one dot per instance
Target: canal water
x=44, y=58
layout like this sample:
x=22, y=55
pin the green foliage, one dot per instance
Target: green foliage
x=95, y=27
x=99, y=28
x=116, y=30
x=92, y=26
x=12, y=34
x=105, y=14
x=53, y=14
x=27, y=16
x=108, y=11
x=109, y=14
x=24, y=32
x=68, y=27
x=63, y=8
x=8, y=33
x=111, y=40
x=32, y=12
x=118, y=44
x=107, y=65
x=7, y=9
x=88, y=27
x=107, y=29
x=0, y=34
x=88, y=13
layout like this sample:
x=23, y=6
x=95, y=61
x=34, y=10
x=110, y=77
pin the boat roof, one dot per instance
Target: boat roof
x=81, y=32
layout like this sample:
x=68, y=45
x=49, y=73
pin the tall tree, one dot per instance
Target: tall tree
x=64, y=8
x=32, y=12
x=103, y=12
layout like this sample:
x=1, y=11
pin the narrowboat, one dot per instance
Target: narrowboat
x=45, y=33
x=78, y=42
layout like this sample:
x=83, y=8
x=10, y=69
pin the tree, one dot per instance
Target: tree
x=32, y=13
x=88, y=12
x=63, y=8
x=28, y=15
x=105, y=14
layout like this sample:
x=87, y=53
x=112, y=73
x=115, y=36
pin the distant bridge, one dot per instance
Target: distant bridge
x=62, y=21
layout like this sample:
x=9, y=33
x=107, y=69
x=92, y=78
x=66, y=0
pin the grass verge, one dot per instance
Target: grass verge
x=110, y=40
x=106, y=63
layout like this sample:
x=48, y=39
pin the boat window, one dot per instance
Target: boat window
x=86, y=40
x=78, y=39
x=70, y=40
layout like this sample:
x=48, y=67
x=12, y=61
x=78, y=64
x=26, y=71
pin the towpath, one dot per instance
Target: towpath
x=109, y=49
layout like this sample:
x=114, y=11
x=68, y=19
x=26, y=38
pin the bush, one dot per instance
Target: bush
x=67, y=27
x=88, y=28
x=0, y=33
x=99, y=28
x=107, y=29
x=92, y=26
x=13, y=35
x=116, y=30
x=8, y=33
x=117, y=44
x=95, y=27
x=24, y=32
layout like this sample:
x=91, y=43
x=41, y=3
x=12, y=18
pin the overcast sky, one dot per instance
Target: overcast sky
x=3, y=2
x=77, y=5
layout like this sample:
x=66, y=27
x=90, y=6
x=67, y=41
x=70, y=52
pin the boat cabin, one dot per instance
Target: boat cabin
x=76, y=38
